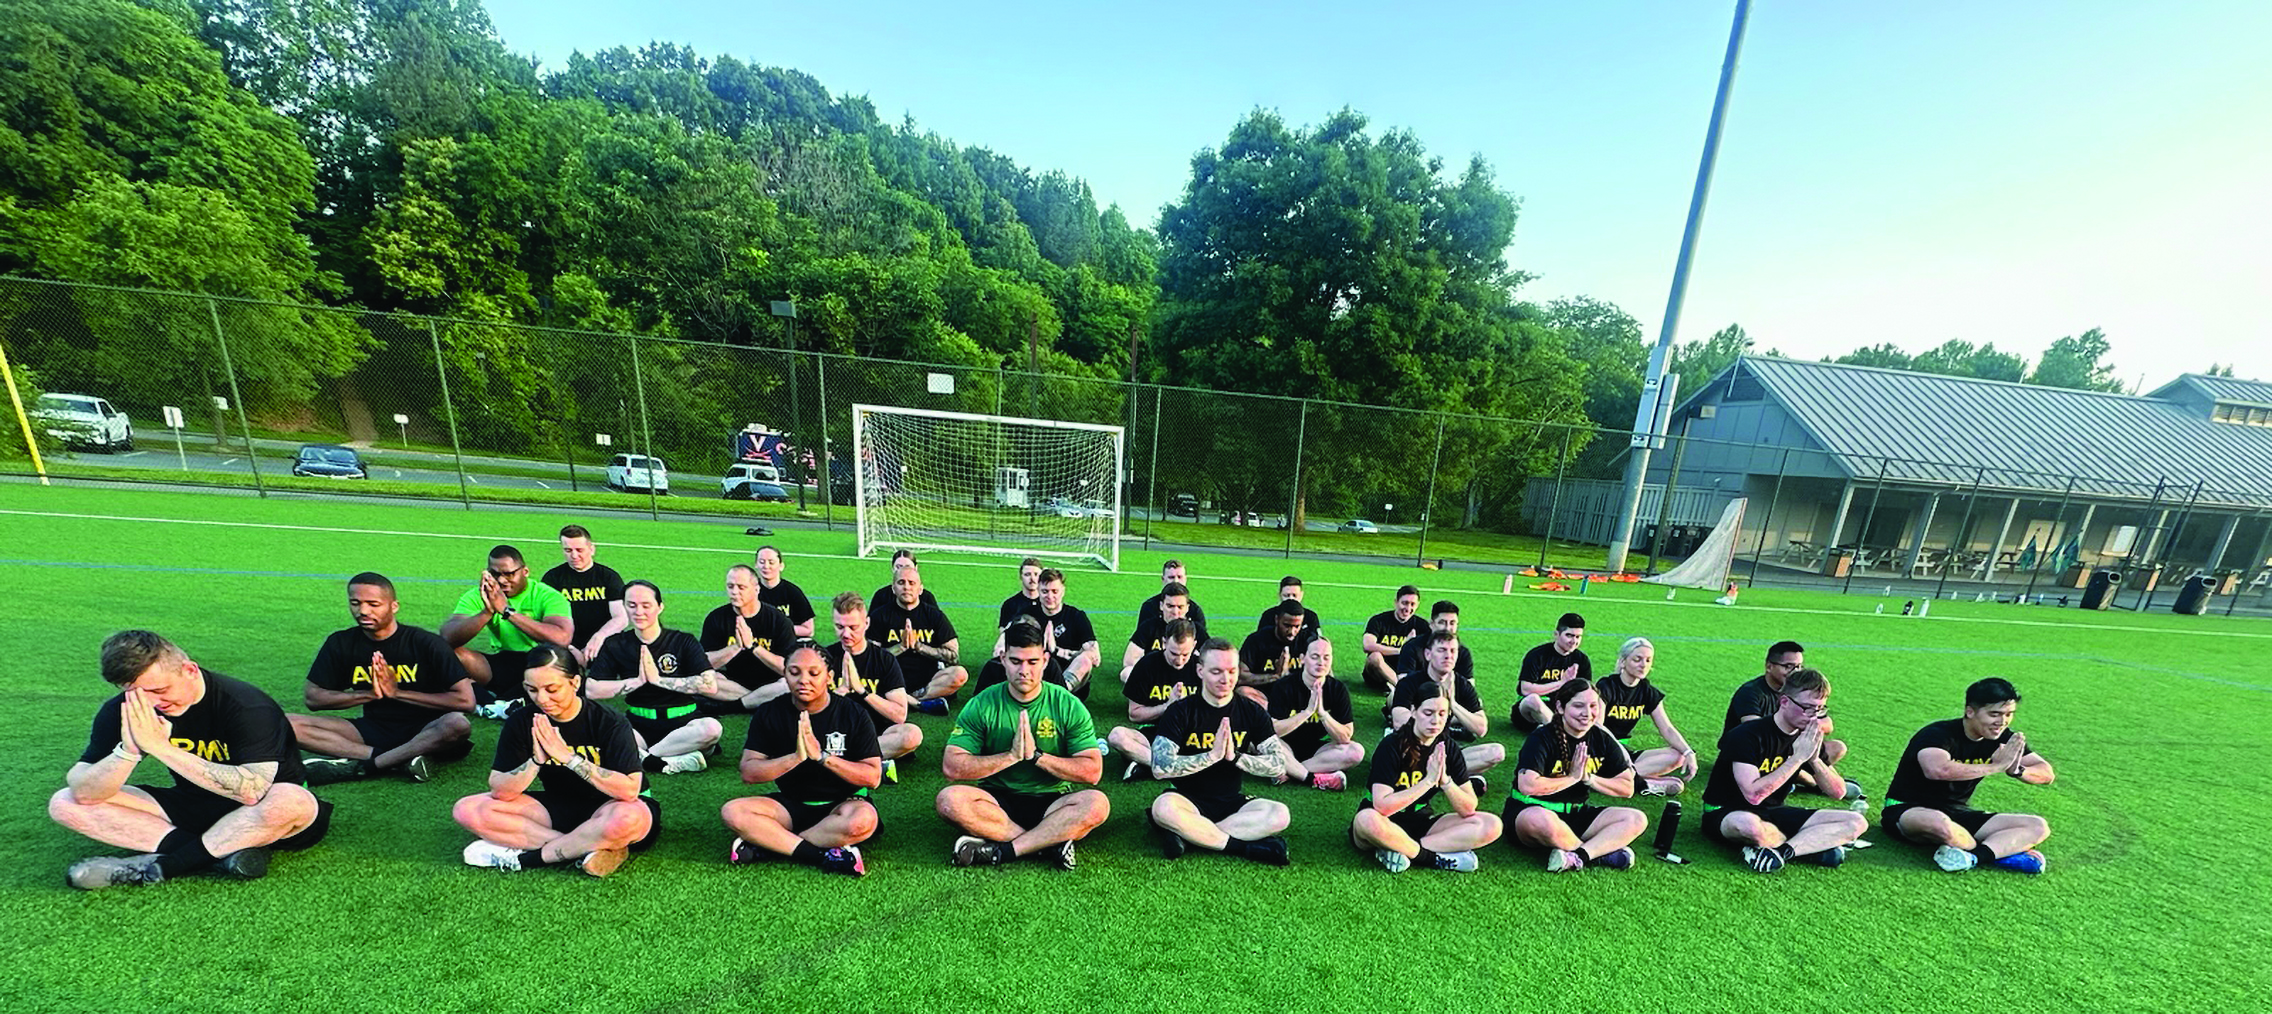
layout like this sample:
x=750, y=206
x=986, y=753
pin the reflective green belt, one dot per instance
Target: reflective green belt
x=1888, y=804
x=657, y=715
x=1553, y=806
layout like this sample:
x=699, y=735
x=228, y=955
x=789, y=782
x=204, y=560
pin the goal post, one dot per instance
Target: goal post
x=972, y=483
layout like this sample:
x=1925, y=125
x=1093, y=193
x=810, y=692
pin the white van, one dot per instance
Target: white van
x=627, y=472
x=83, y=420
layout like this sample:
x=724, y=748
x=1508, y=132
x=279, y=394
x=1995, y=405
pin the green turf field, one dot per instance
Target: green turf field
x=2157, y=725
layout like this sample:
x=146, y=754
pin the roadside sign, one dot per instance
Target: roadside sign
x=604, y=440
x=173, y=416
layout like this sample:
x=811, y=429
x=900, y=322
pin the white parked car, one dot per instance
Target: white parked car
x=1360, y=526
x=627, y=472
x=751, y=480
x=83, y=420
x=1084, y=509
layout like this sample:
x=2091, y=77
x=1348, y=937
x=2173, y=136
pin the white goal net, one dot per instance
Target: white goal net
x=1709, y=565
x=986, y=484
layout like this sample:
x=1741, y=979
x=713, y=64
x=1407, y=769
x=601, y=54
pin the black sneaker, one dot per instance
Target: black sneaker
x=243, y=864
x=844, y=860
x=971, y=850
x=1063, y=854
x=415, y=770
x=114, y=871
x=1269, y=851
x=1171, y=845
x=331, y=770
x=1136, y=772
x=743, y=852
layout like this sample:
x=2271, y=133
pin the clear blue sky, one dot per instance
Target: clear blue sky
x=1915, y=172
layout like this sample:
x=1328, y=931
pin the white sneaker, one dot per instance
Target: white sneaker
x=483, y=852
x=1953, y=859
x=679, y=764
x=494, y=710
x=1392, y=860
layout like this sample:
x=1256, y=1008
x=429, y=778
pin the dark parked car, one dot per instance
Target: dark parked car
x=1184, y=504
x=760, y=491
x=329, y=461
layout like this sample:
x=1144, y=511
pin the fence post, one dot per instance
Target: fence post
x=1301, y=439
x=2045, y=556
x=1960, y=545
x=647, y=433
x=1554, y=503
x=1428, y=506
x=244, y=424
x=1152, y=485
x=825, y=486
x=1781, y=469
x=1664, y=503
x=2159, y=559
x=1860, y=540
x=449, y=409
x=2254, y=562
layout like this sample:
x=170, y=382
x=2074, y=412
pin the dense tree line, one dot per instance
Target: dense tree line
x=392, y=156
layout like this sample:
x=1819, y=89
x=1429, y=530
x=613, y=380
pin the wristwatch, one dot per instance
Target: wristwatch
x=508, y=613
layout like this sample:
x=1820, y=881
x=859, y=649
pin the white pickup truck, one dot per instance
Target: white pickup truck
x=83, y=420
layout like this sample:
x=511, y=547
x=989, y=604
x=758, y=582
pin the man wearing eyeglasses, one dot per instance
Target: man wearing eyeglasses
x=1756, y=699
x=509, y=614
x=1759, y=761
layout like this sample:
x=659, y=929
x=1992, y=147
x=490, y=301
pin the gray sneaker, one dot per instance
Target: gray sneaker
x=1458, y=862
x=1392, y=860
x=331, y=770
x=1953, y=859
x=416, y=770
x=114, y=871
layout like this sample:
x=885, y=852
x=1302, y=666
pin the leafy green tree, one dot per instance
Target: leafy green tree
x=2076, y=361
x=1885, y=356
x=1699, y=361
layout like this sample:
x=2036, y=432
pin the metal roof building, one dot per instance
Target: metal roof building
x=1917, y=472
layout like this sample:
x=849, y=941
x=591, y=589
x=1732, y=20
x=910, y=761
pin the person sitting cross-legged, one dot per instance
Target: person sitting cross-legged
x=1028, y=744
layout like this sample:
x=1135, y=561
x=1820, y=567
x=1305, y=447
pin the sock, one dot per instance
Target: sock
x=1426, y=859
x=534, y=858
x=652, y=764
x=183, y=853
x=1003, y=851
x=1580, y=852
x=1235, y=846
x=808, y=853
x=1784, y=850
x=1984, y=853
x=368, y=766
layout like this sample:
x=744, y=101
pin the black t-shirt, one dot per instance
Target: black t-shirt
x=1072, y=631
x=1149, y=613
x=588, y=593
x=843, y=729
x=1752, y=700
x=1759, y=744
x=1015, y=606
x=1623, y=706
x=888, y=594
x=1191, y=724
x=677, y=654
x=1259, y=653
x=995, y=672
x=1414, y=659
x=1545, y=665
x=1407, y=693
x=1547, y=751
x=596, y=733
x=789, y=599
x=1152, y=632
x=1401, y=761
x=1153, y=681
x=1310, y=623
x=234, y=723
x=885, y=626
x=876, y=670
x=1291, y=693
x=421, y=660
x=1394, y=633
x=769, y=628
x=1909, y=783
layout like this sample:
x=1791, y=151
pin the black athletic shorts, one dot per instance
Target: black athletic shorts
x=1965, y=817
x=802, y=816
x=1411, y=820
x=1216, y=808
x=1787, y=819
x=1023, y=808
x=196, y=811
x=382, y=736
x=505, y=671
x=652, y=730
x=567, y=817
x=1579, y=820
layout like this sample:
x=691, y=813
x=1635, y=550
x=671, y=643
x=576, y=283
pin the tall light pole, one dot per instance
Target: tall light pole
x=1656, y=395
x=788, y=308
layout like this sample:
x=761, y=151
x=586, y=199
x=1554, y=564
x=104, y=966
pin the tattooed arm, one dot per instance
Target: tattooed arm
x=245, y=783
x=1166, y=763
x=511, y=784
x=1268, y=759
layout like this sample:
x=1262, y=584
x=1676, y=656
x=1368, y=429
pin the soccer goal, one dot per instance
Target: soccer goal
x=986, y=484
x=1709, y=565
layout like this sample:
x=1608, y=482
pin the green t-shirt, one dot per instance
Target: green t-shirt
x=541, y=601
x=1061, y=726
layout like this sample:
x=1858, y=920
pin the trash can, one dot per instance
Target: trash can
x=1837, y=562
x=2100, y=595
x=2193, y=598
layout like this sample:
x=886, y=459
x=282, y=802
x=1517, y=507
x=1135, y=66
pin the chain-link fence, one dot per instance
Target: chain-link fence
x=308, y=401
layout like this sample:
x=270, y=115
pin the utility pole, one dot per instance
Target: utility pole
x=1649, y=422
